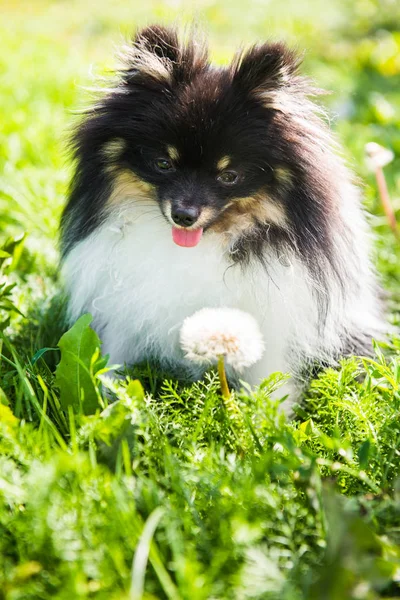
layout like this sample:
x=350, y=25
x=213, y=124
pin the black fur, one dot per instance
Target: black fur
x=257, y=112
x=168, y=93
x=202, y=110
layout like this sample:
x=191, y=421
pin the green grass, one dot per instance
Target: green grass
x=170, y=493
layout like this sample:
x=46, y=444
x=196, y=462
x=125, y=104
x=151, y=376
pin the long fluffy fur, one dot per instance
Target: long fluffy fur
x=289, y=245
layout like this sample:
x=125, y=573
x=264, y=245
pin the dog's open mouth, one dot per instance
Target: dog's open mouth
x=188, y=238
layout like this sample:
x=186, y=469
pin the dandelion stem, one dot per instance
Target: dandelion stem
x=385, y=199
x=222, y=378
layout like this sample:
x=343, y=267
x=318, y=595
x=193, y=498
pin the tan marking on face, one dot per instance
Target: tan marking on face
x=284, y=177
x=242, y=214
x=166, y=206
x=173, y=153
x=114, y=148
x=223, y=163
x=207, y=214
x=128, y=186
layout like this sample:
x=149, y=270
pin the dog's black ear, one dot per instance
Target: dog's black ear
x=158, y=57
x=266, y=66
x=161, y=41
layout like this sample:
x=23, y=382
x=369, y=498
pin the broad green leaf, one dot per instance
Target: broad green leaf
x=75, y=373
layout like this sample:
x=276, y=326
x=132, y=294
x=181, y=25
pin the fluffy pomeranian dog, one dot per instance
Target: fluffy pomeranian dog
x=202, y=186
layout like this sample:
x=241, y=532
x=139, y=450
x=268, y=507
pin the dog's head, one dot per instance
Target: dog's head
x=229, y=149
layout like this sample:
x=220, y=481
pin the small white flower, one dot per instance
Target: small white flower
x=228, y=332
x=377, y=156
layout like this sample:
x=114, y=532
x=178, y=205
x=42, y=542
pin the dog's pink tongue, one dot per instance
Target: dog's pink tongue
x=187, y=237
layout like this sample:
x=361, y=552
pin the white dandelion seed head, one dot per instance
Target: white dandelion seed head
x=377, y=156
x=232, y=333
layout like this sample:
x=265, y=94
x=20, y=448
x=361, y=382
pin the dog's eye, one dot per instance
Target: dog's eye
x=163, y=164
x=228, y=178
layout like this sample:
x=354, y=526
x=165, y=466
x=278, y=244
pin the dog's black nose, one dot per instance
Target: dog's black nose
x=185, y=217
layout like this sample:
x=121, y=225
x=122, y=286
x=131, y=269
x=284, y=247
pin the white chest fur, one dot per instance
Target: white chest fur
x=139, y=286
